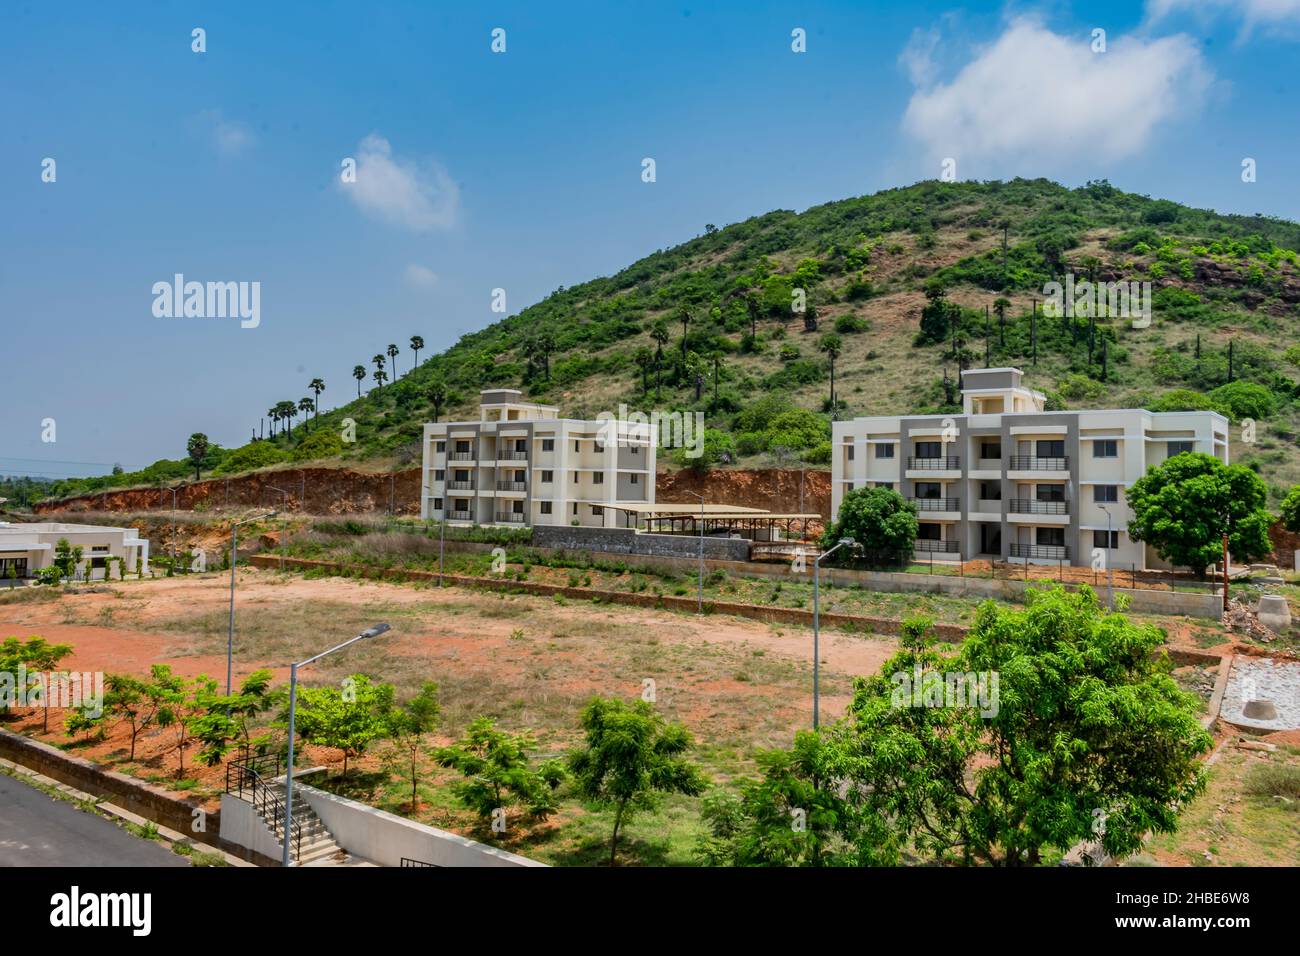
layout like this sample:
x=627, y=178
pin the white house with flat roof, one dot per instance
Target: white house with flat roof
x=1007, y=480
x=26, y=548
x=521, y=464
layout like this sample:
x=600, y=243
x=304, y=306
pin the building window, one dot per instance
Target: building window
x=547, y=477
x=437, y=504
x=636, y=449
x=598, y=478
x=462, y=446
x=575, y=477
x=576, y=446
x=548, y=444
x=929, y=532
x=885, y=451
x=1178, y=447
x=1049, y=492
x=849, y=448
x=1107, y=448
x=1050, y=448
x=546, y=507
x=885, y=484
x=850, y=488
x=440, y=446
x=636, y=479
x=439, y=474
x=600, y=447
x=1099, y=540
x=575, y=509
x=1053, y=537
x=929, y=489
x=597, y=511
x=991, y=450
x=1105, y=494
x=990, y=491
x=929, y=449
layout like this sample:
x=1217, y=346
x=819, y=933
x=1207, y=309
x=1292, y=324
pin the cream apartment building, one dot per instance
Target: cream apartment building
x=27, y=548
x=521, y=464
x=1008, y=480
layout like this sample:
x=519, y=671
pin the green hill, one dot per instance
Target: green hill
x=1221, y=282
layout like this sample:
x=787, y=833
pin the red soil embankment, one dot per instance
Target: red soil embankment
x=773, y=489
x=1285, y=545
x=313, y=490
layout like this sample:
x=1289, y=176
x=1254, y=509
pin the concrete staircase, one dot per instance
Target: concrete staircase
x=318, y=847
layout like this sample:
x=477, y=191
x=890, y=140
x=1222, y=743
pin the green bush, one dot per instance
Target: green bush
x=1245, y=399
x=1291, y=509
x=323, y=443
x=257, y=454
x=850, y=324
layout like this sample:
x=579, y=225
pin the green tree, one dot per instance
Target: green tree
x=1083, y=735
x=197, y=449
x=499, y=773
x=348, y=718
x=182, y=702
x=227, y=720
x=317, y=385
x=134, y=701
x=1244, y=400
x=40, y=658
x=938, y=316
x=359, y=373
x=880, y=520
x=1291, y=509
x=714, y=448
x=1184, y=506
x=832, y=345
x=437, y=395
x=67, y=558
x=393, y=352
x=632, y=756
x=410, y=725
x=417, y=343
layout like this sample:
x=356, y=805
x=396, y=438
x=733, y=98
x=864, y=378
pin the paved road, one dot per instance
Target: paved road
x=38, y=830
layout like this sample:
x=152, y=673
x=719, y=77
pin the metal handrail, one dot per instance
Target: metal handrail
x=1034, y=463
x=512, y=486
x=945, y=463
x=1032, y=506
x=512, y=456
x=937, y=504
x=461, y=456
x=513, y=517
x=1053, y=551
x=265, y=800
x=934, y=545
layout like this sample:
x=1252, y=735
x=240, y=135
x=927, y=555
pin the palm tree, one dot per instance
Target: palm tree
x=545, y=346
x=658, y=332
x=830, y=344
x=288, y=412
x=380, y=377
x=317, y=385
x=417, y=343
x=437, y=396
x=378, y=361
x=1000, y=306
x=684, y=318
x=359, y=373
x=644, y=358
x=306, y=406
x=273, y=413
x=393, y=351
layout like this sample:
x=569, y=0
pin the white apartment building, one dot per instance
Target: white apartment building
x=27, y=548
x=521, y=464
x=1008, y=480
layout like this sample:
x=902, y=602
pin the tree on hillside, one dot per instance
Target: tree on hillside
x=939, y=317
x=437, y=395
x=134, y=701
x=417, y=344
x=630, y=758
x=832, y=345
x=197, y=449
x=306, y=405
x=359, y=373
x=317, y=385
x=1066, y=727
x=1000, y=306
x=644, y=360
x=1291, y=509
x=348, y=718
x=684, y=317
x=411, y=724
x=288, y=412
x=378, y=361
x=393, y=352
x=380, y=378
x=273, y=416
x=498, y=769
x=1186, y=505
x=880, y=520
x=659, y=332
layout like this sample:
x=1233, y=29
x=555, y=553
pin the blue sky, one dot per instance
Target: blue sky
x=522, y=170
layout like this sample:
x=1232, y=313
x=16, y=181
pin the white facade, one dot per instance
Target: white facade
x=27, y=548
x=521, y=464
x=1008, y=480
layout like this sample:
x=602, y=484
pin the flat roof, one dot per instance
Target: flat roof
x=708, y=510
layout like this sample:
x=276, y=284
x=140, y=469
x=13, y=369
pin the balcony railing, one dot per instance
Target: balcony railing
x=927, y=545
x=512, y=486
x=460, y=485
x=459, y=516
x=1034, y=463
x=510, y=517
x=948, y=463
x=461, y=456
x=1031, y=506
x=1055, y=552
x=512, y=456
x=937, y=504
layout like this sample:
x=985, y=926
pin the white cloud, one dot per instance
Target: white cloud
x=917, y=57
x=422, y=276
x=230, y=138
x=1270, y=15
x=1034, y=94
x=418, y=196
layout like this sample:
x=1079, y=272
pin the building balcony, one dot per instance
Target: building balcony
x=459, y=516
x=461, y=456
x=1050, y=552
x=937, y=504
x=510, y=517
x=512, y=456
x=1030, y=506
x=460, y=485
x=947, y=463
x=512, y=486
x=1034, y=463
x=934, y=546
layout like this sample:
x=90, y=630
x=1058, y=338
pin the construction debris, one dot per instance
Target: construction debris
x=1241, y=617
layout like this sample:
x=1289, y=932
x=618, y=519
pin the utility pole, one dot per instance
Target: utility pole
x=1225, y=572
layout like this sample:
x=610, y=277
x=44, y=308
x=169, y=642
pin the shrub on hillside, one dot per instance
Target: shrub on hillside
x=1291, y=509
x=256, y=454
x=324, y=443
x=1245, y=399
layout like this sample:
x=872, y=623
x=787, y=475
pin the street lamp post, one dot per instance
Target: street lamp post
x=817, y=655
x=1110, y=568
x=234, y=557
x=293, y=707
